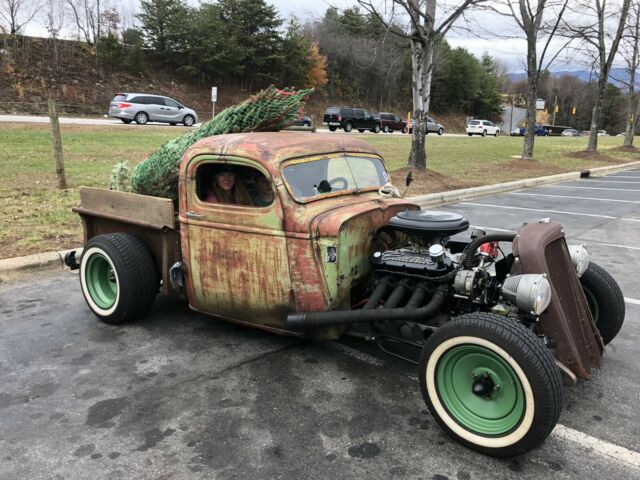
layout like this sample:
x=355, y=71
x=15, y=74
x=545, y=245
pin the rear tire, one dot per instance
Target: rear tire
x=125, y=120
x=141, y=118
x=605, y=301
x=361, y=130
x=376, y=128
x=484, y=133
x=332, y=129
x=491, y=384
x=348, y=127
x=118, y=277
x=470, y=134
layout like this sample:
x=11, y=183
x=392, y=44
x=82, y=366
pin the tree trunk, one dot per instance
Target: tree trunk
x=597, y=112
x=57, y=144
x=418, y=155
x=631, y=117
x=532, y=98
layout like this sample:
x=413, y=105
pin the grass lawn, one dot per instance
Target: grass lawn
x=37, y=217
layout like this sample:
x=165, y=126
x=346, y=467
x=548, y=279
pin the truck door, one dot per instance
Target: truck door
x=237, y=263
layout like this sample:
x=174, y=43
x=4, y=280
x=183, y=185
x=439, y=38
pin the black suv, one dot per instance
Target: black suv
x=349, y=118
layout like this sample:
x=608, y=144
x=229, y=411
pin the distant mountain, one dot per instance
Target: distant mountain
x=617, y=76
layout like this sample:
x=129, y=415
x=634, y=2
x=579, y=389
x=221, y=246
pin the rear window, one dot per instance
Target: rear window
x=475, y=122
x=119, y=98
x=332, y=111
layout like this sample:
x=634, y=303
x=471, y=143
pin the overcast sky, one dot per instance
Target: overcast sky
x=509, y=51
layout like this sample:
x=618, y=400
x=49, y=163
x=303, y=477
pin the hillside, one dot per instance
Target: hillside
x=31, y=68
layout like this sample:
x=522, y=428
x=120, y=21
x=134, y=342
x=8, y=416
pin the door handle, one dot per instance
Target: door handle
x=194, y=215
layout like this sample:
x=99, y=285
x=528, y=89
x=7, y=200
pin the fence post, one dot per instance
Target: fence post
x=57, y=144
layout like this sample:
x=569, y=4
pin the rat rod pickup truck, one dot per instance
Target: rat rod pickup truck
x=491, y=320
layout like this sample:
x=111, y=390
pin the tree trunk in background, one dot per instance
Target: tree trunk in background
x=418, y=155
x=632, y=114
x=532, y=97
x=57, y=144
x=597, y=113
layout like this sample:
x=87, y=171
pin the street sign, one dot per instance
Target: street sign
x=214, y=94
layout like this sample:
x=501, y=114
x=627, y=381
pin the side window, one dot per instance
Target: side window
x=233, y=184
x=348, y=112
x=398, y=119
x=137, y=100
x=153, y=101
x=361, y=113
x=171, y=103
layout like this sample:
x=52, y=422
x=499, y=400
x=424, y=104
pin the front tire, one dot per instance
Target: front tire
x=118, y=277
x=188, y=120
x=440, y=131
x=491, y=384
x=376, y=128
x=496, y=134
x=605, y=301
x=386, y=129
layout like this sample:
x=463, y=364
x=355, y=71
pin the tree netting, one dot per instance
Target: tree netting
x=267, y=111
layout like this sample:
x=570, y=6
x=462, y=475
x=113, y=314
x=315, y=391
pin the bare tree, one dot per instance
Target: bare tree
x=86, y=16
x=15, y=14
x=424, y=31
x=630, y=51
x=529, y=16
x=598, y=26
x=53, y=20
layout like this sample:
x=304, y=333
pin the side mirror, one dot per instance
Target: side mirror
x=409, y=179
x=180, y=107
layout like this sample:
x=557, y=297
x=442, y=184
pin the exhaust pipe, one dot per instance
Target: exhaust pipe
x=301, y=321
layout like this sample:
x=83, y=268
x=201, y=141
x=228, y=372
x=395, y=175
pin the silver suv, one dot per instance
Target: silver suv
x=143, y=108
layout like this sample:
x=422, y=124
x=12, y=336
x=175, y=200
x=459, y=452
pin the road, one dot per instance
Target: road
x=110, y=122
x=183, y=396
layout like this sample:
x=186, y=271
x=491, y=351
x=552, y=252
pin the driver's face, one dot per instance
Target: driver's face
x=226, y=180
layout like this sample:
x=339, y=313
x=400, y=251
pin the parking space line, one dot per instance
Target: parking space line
x=600, y=447
x=632, y=301
x=605, y=180
x=593, y=188
x=623, y=176
x=538, y=210
x=573, y=197
x=586, y=242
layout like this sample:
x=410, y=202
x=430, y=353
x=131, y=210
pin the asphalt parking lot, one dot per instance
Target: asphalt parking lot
x=180, y=395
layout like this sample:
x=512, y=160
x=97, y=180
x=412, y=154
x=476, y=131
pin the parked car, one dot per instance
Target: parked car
x=142, y=108
x=390, y=122
x=432, y=126
x=482, y=127
x=349, y=118
x=302, y=121
x=570, y=132
x=332, y=255
x=602, y=133
x=540, y=131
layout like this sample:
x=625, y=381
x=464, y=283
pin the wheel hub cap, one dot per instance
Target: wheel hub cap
x=101, y=281
x=480, y=390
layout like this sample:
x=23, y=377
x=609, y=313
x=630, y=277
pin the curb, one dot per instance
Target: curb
x=36, y=262
x=55, y=260
x=441, y=198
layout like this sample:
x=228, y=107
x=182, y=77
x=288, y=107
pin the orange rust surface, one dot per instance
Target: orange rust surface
x=541, y=248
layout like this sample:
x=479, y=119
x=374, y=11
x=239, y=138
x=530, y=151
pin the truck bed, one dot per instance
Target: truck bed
x=151, y=219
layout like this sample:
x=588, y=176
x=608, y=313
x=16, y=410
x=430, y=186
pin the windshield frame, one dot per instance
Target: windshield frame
x=340, y=193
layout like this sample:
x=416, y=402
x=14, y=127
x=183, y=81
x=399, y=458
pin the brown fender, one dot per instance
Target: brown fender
x=541, y=248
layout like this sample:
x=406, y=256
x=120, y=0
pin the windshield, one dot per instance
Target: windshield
x=323, y=176
x=474, y=122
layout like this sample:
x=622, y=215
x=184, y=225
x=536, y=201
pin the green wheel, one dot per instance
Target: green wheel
x=605, y=301
x=118, y=277
x=491, y=384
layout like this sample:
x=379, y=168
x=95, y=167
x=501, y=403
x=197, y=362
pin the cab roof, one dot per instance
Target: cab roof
x=275, y=147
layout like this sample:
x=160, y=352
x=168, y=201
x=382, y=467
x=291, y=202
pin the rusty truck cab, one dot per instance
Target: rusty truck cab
x=255, y=264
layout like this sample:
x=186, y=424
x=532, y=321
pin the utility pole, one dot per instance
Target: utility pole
x=511, y=117
x=555, y=109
